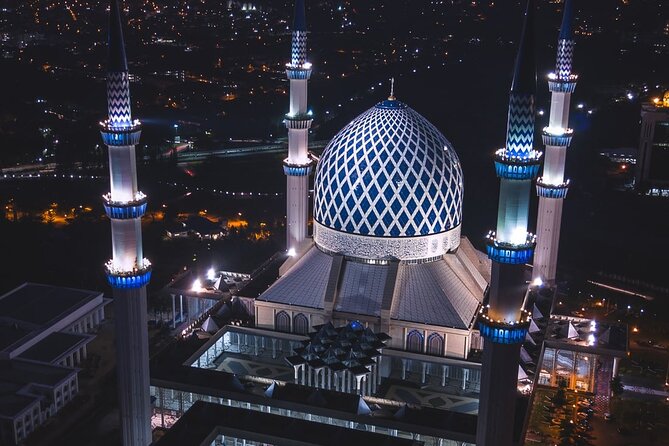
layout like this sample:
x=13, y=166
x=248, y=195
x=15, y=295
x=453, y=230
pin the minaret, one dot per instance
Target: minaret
x=298, y=165
x=128, y=272
x=552, y=186
x=503, y=323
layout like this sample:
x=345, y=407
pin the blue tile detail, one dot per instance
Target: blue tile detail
x=129, y=281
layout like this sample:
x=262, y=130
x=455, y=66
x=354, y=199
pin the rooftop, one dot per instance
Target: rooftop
x=203, y=422
x=12, y=404
x=54, y=346
x=31, y=308
x=451, y=287
x=21, y=304
x=26, y=372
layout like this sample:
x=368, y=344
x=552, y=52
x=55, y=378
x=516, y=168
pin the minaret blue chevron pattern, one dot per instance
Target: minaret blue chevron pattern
x=565, y=54
x=298, y=53
x=118, y=100
x=520, y=133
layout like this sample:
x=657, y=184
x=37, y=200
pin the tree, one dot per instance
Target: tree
x=617, y=386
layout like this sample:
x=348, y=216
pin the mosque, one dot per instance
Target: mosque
x=371, y=329
x=386, y=249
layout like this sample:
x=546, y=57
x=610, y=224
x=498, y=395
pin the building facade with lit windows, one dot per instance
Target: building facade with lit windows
x=652, y=167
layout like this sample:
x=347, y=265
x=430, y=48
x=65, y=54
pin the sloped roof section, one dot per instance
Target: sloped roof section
x=361, y=288
x=304, y=284
x=432, y=293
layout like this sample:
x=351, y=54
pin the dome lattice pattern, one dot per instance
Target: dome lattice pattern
x=389, y=173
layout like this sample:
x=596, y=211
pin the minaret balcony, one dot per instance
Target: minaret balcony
x=124, y=210
x=503, y=332
x=510, y=253
x=121, y=136
x=298, y=72
x=557, y=137
x=300, y=121
x=137, y=277
x=547, y=190
x=565, y=84
x=517, y=167
x=297, y=170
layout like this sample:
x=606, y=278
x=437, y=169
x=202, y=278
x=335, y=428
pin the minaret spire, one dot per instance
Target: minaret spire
x=552, y=187
x=298, y=165
x=116, y=44
x=566, y=28
x=128, y=272
x=503, y=322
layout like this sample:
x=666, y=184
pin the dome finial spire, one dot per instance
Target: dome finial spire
x=392, y=89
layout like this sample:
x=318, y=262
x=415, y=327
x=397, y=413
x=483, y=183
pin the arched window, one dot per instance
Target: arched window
x=415, y=341
x=282, y=322
x=300, y=324
x=435, y=344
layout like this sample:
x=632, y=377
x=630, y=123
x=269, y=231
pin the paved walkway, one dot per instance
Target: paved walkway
x=431, y=398
x=241, y=366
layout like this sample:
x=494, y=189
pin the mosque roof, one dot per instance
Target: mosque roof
x=436, y=293
x=306, y=284
x=445, y=292
x=389, y=173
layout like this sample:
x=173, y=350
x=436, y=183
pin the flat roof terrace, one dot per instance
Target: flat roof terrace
x=205, y=422
x=37, y=305
x=55, y=346
x=32, y=312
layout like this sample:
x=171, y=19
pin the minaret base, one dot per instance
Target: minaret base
x=499, y=389
x=132, y=365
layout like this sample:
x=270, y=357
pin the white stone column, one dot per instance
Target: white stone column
x=174, y=311
x=616, y=364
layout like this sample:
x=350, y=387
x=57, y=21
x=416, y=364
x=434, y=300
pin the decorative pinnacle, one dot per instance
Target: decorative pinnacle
x=392, y=89
x=116, y=45
x=525, y=74
x=566, y=29
x=299, y=19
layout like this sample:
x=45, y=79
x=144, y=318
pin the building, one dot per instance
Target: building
x=212, y=424
x=194, y=298
x=44, y=331
x=299, y=163
x=504, y=321
x=652, y=167
x=552, y=186
x=128, y=272
x=376, y=322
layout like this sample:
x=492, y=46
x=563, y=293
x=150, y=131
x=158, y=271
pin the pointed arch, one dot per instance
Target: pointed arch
x=300, y=324
x=415, y=341
x=435, y=344
x=282, y=322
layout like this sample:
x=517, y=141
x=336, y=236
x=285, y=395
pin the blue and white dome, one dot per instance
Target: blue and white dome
x=387, y=177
